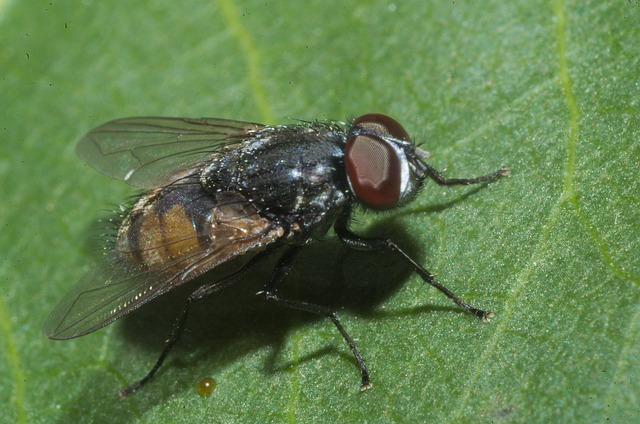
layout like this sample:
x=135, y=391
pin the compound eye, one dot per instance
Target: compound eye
x=383, y=125
x=374, y=171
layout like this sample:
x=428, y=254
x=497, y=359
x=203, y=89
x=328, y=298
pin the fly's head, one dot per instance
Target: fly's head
x=384, y=168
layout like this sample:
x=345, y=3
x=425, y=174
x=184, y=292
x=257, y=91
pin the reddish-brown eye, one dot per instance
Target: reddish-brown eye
x=374, y=171
x=383, y=125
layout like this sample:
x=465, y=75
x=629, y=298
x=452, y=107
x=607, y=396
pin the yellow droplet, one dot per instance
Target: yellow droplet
x=206, y=386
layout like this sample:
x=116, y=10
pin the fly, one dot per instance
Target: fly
x=217, y=189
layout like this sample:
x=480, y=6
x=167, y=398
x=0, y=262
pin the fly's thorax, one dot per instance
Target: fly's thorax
x=293, y=174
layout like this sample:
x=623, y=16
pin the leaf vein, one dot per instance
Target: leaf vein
x=252, y=54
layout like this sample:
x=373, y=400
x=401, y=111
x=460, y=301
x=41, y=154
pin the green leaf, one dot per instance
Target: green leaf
x=548, y=88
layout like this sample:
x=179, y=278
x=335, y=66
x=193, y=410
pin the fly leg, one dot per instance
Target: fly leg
x=442, y=180
x=357, y=242
x=200, y=293
x=281, y=271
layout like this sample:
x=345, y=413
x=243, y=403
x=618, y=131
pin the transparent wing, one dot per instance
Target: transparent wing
x=114, y=288
x=149, y=152
x=105, y=294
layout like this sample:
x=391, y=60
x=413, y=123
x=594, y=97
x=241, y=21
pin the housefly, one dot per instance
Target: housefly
x=218, y=189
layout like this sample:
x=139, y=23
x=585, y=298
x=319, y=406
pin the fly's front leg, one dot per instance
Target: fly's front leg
x=281, y=271
x=442, y=180
x=200, y=293
x=357, y=242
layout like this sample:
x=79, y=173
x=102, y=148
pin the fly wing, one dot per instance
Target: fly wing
x=149, y=152
x=117, y=287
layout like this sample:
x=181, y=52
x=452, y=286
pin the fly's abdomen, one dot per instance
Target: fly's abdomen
x=162, y=228
x=184, y=230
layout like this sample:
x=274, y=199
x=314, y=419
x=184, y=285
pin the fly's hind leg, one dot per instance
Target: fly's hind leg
x=199, y=294
x=281, y=271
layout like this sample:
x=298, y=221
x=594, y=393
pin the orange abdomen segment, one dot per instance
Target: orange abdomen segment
x=183, y=229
